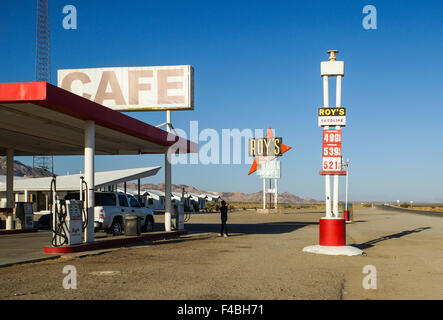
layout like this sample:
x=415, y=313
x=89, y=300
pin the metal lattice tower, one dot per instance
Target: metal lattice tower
x=42, y=60
x=45, y=164
x=43, y=70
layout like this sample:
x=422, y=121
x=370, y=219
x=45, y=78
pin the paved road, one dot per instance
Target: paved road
x=262, y=259
x=17, y=248
x=407, y=210
x=28, y=247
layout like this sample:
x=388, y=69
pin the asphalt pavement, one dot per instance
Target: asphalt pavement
x=23, y=248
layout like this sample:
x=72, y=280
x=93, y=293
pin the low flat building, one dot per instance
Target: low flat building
x=38, y=190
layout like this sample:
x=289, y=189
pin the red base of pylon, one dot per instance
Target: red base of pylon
x=347, y=216
x=332, y=232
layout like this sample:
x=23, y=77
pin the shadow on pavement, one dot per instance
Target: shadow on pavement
x=169, y=241
x=371, y=243
x=244, y=228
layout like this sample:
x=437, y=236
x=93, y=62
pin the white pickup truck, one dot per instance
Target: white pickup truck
x=111, y=208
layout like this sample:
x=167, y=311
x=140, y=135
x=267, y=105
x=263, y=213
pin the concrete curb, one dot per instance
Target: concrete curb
x=29, y=261
x=6, y=232
x=104, y=244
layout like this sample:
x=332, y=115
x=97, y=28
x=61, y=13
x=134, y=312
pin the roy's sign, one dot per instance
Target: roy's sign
x=133, y=88
x=331, y=117
x=265, y=147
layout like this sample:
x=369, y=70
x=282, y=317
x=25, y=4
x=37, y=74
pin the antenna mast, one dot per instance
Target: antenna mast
x=43, y=72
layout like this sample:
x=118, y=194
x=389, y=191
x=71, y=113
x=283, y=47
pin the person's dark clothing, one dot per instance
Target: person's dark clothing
x=224, y=218
x=224, y=213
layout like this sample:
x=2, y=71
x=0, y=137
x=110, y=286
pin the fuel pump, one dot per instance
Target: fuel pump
x=177, y=217
x=73, y=210
x=67, y=223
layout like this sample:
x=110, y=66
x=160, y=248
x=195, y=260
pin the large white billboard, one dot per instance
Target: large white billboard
x=133, y=88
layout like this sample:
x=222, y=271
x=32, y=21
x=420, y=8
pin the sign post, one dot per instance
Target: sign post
x=332, y=233
x=269, y=169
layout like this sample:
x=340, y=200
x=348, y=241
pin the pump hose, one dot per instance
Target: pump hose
x=59, y=219
x=85, y=214
x=60, y=230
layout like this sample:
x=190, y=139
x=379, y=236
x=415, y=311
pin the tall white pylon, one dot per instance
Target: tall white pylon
x=332, y=228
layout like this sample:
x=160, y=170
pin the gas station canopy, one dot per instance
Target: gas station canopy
x=37, y=118
x=71, y=182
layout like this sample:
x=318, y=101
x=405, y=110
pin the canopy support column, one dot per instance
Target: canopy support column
x=89, y=177
x=168, y=179
x=9, y=187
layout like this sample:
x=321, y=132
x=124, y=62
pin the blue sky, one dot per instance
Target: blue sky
x=257, y=64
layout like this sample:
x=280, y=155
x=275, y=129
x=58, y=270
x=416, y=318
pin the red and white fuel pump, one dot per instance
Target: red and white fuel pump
x=68, y=218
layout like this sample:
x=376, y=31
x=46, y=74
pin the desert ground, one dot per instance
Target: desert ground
x=262, y=259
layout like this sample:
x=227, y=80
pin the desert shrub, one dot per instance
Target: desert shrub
x=212, y=206
x=404, y=205
x=367, y=205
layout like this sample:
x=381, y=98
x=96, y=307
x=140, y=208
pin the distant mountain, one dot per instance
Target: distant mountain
x=22, y=170
x=285, y=197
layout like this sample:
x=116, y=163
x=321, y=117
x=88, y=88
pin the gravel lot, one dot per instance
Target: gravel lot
x=262, y=259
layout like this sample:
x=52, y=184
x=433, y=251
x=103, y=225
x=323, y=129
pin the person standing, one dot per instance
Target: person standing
x=224, y=218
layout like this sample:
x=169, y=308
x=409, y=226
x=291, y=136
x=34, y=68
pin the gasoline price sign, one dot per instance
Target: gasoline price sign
x=332, y=163
x=332, y=136
x=332, y=150
x=332, y=143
